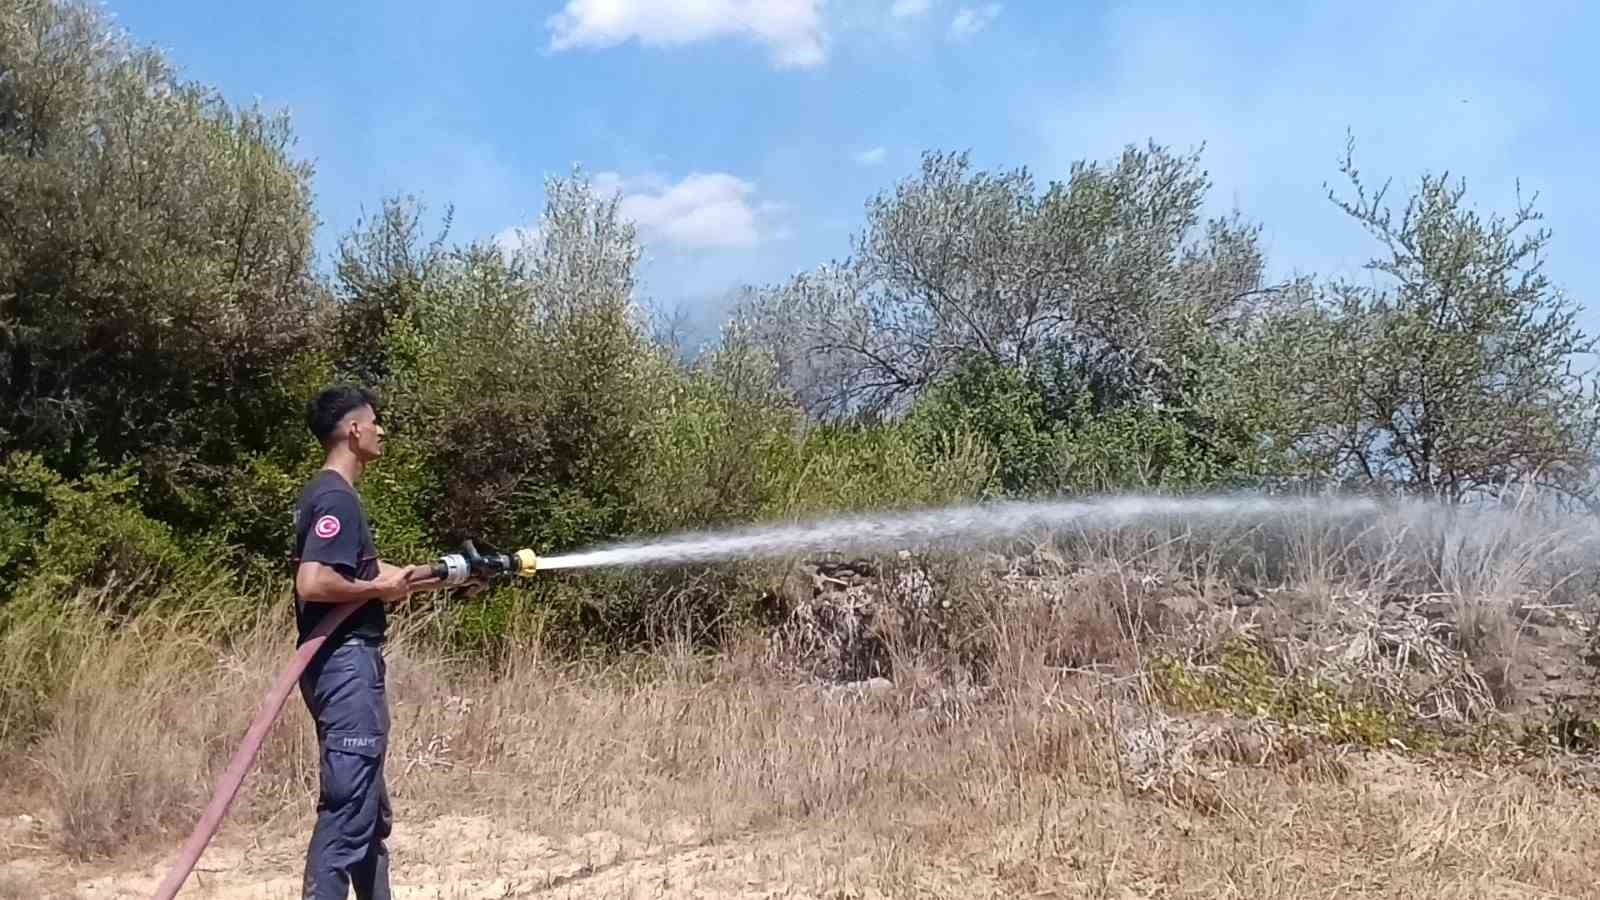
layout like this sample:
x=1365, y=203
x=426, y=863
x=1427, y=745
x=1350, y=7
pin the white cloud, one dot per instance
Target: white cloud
x=871, y=157
x=703, y=210
x=512, y=240
x=905, y=9
x=971, y=20
x=792, y=29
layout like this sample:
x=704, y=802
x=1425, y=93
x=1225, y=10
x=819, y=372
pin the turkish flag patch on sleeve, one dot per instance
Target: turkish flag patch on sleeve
x=327, y=527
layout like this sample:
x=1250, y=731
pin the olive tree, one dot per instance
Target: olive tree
x=521, y=379
x=1455, y=374
x=156, y=296
x=1111, y=267
x=382, y=272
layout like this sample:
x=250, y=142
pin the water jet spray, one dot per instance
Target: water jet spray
x=960, y=526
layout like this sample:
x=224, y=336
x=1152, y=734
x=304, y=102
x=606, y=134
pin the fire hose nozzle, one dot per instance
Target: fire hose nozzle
x=458, y=568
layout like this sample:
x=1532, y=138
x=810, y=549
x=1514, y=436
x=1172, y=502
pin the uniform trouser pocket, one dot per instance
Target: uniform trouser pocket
x=346, y=697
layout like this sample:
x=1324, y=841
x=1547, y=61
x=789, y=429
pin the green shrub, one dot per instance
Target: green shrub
x=1244, y=680
x=1054, y=430
x=523, y=386
x=90, y=533
x=1132, y=447
x=713, y=432
x=1002, y=406
x=25, y=489
x=839, y=469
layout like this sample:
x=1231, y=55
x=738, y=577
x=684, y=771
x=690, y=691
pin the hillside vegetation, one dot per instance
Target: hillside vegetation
x=163, y=323
x=989, y=334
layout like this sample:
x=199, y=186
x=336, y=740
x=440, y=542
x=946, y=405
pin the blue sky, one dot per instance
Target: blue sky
x=747, y=135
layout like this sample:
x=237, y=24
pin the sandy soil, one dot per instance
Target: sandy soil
x=1396, y=827
x=446, y=858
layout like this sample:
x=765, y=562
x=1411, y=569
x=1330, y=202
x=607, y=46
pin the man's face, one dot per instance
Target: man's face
x=366, y=434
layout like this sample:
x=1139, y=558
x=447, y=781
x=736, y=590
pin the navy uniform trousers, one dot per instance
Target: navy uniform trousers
x=344, y=691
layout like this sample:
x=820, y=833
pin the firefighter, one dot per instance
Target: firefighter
x=336, y=562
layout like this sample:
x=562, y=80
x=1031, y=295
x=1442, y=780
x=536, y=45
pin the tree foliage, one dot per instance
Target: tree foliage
x=162, y=325
x=1455, y=375
x=156, y=297
x=1106, y=266
x=521, y=381
x=383, y=271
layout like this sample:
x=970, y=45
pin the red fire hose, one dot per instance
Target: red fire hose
x=246, y=754
x=451, y=569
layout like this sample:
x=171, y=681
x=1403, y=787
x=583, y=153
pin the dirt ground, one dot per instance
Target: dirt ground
x=454, y=858
x=1391, y=826
x=450, y=857
x=445, y=858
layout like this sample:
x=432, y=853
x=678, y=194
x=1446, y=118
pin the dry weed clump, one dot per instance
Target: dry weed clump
x=837, y=619
x=118, y=753
x=727, y=748
x=148, y=717
x=41, y=639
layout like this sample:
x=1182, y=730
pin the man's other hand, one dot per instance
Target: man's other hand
x=421, y=576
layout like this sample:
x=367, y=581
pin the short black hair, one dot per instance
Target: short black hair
x=332, y=404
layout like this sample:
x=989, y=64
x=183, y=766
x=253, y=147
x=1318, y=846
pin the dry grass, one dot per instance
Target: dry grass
x=143, y=719
x=1036, y=788
x=1024, y=756
x=15, y=886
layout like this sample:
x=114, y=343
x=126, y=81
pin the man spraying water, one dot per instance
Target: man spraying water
x=336, y=563
x=342, y=591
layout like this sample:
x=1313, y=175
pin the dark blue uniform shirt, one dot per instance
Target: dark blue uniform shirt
x=330, y=527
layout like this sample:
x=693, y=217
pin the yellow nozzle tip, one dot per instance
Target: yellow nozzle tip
x=527, y=562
